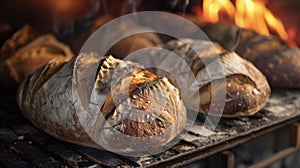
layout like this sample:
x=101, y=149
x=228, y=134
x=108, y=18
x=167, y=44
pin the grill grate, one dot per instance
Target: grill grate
x=21, y=144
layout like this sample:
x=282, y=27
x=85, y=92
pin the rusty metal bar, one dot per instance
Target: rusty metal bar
x=227, y=159
x=294, y=147
x=295, y=135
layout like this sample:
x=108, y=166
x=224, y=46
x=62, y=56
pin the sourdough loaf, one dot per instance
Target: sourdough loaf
x=270, y=54
x=27, y=51
x=103, y=102
x=226, y=85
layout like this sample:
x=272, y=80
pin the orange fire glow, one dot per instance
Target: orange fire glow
x=251, y=14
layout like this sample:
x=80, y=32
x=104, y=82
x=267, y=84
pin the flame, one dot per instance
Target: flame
x=211, y=9
x=251, y=14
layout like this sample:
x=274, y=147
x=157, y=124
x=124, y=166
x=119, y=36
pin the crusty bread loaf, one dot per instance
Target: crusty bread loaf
x=273, y=56
x=245, y=88
x=27, y=51
x=103, y=102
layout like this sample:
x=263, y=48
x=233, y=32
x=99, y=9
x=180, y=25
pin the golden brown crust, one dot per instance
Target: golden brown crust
x=18, y=40
x=247, y=89
x=281, y=69
x=150, y=109
x=279, y=62
x=273, y=56
x=25, y=52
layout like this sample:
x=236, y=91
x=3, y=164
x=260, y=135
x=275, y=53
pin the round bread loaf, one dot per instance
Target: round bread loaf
x=228, y=85
x=27, y=51
x=103, y=102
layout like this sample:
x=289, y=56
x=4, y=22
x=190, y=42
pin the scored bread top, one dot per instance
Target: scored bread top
x=73, y=104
